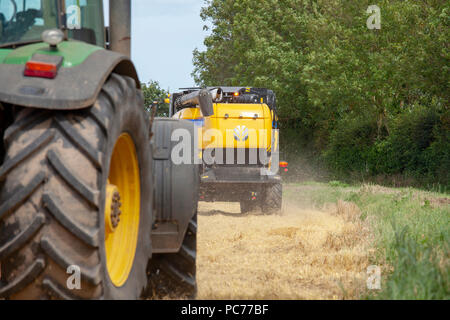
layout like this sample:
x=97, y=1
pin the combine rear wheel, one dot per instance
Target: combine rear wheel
x=248, y=206
x=273, y=198
x=76, y=200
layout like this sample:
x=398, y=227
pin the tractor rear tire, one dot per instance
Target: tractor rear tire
x=52, y=205
x=273, y=198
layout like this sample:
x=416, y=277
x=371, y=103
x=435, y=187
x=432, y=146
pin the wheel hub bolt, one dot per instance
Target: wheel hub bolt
x=115, y=209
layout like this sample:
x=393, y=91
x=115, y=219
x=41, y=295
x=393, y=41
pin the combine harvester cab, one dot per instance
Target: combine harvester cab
x=77, y=178
x=238, y=143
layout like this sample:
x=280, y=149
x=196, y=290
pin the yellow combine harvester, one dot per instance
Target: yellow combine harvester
x=237, y=144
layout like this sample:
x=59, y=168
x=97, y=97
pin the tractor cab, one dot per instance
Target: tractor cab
x=23, y=21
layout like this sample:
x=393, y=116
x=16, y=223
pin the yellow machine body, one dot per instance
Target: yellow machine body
x=233, y=125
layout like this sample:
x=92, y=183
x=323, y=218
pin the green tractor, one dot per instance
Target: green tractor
x=87, y=209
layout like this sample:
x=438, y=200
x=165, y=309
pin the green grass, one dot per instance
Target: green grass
x=413, y=238
x=412, y=234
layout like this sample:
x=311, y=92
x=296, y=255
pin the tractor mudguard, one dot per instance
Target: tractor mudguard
x=176, y=195
x=73, y=88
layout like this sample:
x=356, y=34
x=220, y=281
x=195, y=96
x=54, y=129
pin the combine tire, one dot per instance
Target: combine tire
x=248, y=206
x=273, y=199
x=64, y=172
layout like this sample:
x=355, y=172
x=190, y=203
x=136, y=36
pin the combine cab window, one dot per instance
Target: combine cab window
x=24, y=20
x=85, y=21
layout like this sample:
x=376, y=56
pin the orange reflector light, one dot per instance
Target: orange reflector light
x=236, y=94
x=283, y=164
x=41, y=70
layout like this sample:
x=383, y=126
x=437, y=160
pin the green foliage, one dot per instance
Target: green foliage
x=337, y=184
x=413, y=239
x=153, y=93
x=417, y=271
x=353, y=93
x=419, y=144
x=349, y=144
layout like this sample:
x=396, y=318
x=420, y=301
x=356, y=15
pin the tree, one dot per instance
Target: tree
x=256, y=43
x=329, y=69
x=153, y=93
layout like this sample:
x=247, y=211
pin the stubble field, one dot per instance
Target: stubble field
x=304, y=253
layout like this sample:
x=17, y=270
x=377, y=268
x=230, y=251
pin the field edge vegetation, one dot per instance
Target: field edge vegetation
x=411, y=233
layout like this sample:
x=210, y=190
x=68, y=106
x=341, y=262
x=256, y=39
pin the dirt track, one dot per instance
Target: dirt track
x=302, y=254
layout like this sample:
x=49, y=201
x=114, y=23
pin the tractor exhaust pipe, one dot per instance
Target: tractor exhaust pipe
x=120, y=26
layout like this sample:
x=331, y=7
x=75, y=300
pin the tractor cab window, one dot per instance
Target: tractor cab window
x=85, y=21
x=24, y=21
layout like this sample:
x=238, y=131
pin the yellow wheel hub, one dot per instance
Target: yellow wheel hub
x=112, y=208
x=122, y=206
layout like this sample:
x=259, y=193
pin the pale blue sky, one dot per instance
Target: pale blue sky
x=164, y=34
